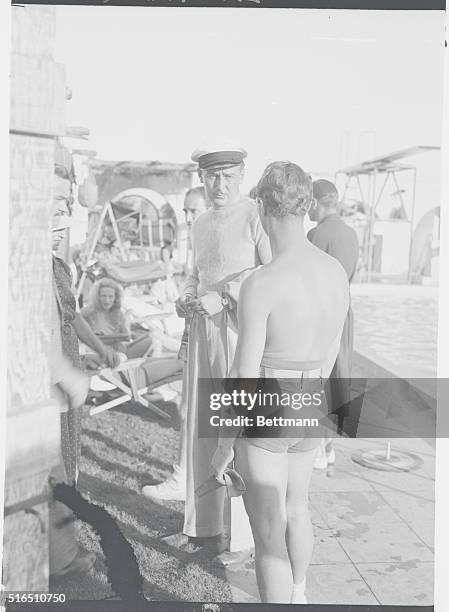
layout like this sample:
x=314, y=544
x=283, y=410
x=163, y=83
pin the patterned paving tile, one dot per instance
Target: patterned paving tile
x=242, y=581
x=339, y=480
x=337, y=584
x=343, y=508
x=410, y=506
x=402, y=482
x=327, y=549
x=400, y=584
x=387, y=543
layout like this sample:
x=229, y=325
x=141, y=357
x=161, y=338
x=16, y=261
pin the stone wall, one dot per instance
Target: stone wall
x=32, y=440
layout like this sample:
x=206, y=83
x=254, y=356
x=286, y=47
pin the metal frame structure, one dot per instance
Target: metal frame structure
x=388, y=166
x=156, y=201
x=108, y=211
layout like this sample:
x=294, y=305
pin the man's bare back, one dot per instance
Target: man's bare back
x=306, y=301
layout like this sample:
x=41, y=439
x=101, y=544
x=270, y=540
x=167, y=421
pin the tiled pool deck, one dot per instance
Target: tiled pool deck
x=374, y=533
x=374, y=530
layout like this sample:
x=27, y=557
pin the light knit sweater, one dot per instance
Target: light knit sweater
x=226, y=241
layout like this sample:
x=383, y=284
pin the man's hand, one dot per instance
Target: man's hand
x=182, y=306
x=222, y=458
x=75, y=385
x=111, y=357
x=209, y=304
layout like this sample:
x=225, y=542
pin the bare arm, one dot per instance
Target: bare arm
x=190, y=291
x=86, y=335
x=124, y=324
x=331, y=357
x=84, y=312
x=253, y=315
x=191, y=284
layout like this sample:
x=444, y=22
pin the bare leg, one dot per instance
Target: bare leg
x=156, y=369
x=265, y=475
x=139, y=347
x=299, y=525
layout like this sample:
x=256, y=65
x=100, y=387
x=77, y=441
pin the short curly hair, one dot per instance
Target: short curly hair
x=285, y=189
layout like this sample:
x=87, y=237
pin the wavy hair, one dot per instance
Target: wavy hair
x=285, y=189
x=93, y=304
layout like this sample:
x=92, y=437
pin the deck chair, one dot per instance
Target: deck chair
x=164, y=325
x=155, y=324
x=152, y=325
x=124, y=379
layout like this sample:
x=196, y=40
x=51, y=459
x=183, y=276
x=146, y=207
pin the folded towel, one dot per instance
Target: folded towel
x=233, y=482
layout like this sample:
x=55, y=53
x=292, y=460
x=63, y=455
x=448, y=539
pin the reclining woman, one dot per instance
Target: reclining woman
x=105, y=316
x=290, y=315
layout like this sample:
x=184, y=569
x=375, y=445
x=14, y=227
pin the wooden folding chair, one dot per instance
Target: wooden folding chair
x=130, y=390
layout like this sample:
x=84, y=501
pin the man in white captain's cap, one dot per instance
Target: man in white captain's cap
x=228, y=241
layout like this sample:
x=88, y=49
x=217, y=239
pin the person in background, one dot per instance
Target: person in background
x=333, y=236
x=105, y=317
x=228, y=241
x=69, y=388
x=75, y=263
x=194, y=204
x=174, y=488
x=73, y=326
x=166, y=253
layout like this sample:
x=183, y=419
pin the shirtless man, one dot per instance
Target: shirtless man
x=291, y=314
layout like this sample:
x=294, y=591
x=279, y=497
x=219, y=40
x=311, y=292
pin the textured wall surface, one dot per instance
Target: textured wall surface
x=32, y=438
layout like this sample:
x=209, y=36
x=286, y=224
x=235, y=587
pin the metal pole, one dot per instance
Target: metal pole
x=161, y=233
x=115, y=228
x=140, y=226
x=412, y=220
x=382, y=190
x=346, y=186
x=368, y=232
x=360, y=188
x=150, y=232
x=398, y=189
x=366, y=237
x=371, y=224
